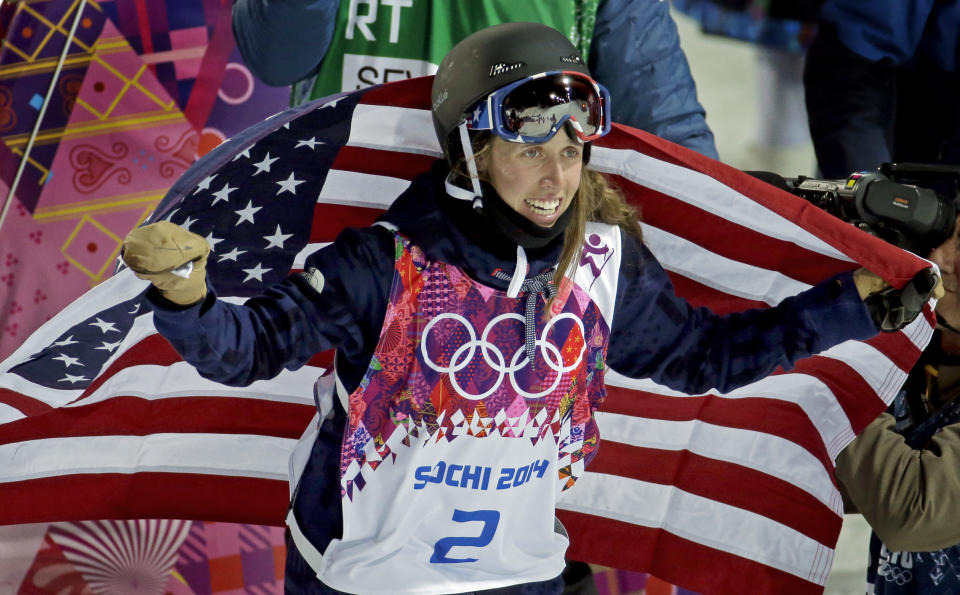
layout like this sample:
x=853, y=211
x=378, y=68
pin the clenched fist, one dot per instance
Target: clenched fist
x=170, y=257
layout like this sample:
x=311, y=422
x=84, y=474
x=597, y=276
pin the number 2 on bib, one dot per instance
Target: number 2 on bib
x=490, y=520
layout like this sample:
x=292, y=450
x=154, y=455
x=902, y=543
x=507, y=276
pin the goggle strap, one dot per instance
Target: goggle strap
x=468, y=156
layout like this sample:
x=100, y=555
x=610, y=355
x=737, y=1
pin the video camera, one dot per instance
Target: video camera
x=910, y=205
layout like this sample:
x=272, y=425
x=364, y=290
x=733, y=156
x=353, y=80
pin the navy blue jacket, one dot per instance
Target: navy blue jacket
x=654, y=333
x=895, y=30
x=635, y=53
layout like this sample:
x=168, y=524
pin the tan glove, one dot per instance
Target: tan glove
x=892, y=309
x=159, y=252
x=868, y=282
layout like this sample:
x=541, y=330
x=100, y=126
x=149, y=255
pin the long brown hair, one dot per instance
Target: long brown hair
x=597, y=199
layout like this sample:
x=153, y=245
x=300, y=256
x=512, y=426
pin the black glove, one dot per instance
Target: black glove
x=892, y=309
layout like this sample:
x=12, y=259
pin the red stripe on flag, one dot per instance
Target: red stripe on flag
x=324, y=359
x=623, y=545
x=22, y=403
x=752, y=247
x=856, y=397
x=724, y=482
x=135, y=416
x=394, y=164
x=897, y=347
x=719, y=302
x=329, y=220
x=870, y=251
x=759, y=414
x=152, y=350
x=411, y=93
x=145, y=495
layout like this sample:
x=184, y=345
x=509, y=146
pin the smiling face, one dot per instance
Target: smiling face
x=537, y=180
x=947, y=257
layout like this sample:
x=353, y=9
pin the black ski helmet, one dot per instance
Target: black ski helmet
x=489, y=59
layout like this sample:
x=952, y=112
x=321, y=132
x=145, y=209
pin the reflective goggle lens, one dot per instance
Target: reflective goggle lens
x=537, y=107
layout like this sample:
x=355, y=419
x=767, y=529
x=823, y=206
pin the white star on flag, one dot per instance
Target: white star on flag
x=277, y=239
x=332, y=103
x=223, y=194
x=68, y=341
x=188, y=222
x=264, y=166
x=204, y=183
x=109, y=346
x=72, y=379
x=255, y=273
x=289, y=185
x=67, y=360
x=246, y=213
x=213, y=241
x=104, y=326
x=232, y=255
x=244, y=153
x=312, y=142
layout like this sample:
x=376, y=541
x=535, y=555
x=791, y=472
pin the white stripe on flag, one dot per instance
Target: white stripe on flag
x=119, y=288
x=704, y=192
x=920, y=330
x=55, y=397
x=51, y=396
x=767, y=453
x=695, y=262
x=701, y=520
x=808, y=392
x=9, y=414
x=182, y=380
x=340, y=188
x=209, y=454
x=394, y=129
x=881, y=374
x=300, y=260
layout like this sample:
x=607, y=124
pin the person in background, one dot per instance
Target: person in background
x=780, y=32
x=881, y=84
x=323, y=47
x=903, y=472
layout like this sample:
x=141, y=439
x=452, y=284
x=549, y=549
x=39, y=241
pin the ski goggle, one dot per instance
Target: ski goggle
x=533, y=109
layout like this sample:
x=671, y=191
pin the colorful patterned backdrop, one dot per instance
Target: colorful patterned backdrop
x=146, y=87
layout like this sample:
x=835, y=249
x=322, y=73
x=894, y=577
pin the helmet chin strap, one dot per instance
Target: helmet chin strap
x=471, y=161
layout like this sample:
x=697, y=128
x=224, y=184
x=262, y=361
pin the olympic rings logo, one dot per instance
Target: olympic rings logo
x=496, y=359
x=894, y=574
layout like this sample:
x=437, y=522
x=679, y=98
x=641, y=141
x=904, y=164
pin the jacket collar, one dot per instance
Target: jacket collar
x=451, y=231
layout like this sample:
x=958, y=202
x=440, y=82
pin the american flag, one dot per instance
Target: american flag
x=720, y=493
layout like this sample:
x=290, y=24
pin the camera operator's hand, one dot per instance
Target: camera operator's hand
x=947, y=258
x=891, y=308
x=170, y=257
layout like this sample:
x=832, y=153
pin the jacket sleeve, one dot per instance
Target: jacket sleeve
x=657, y=335
x=283, y=41
x=908, y=496
x=635, y=53
x=342, y=307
